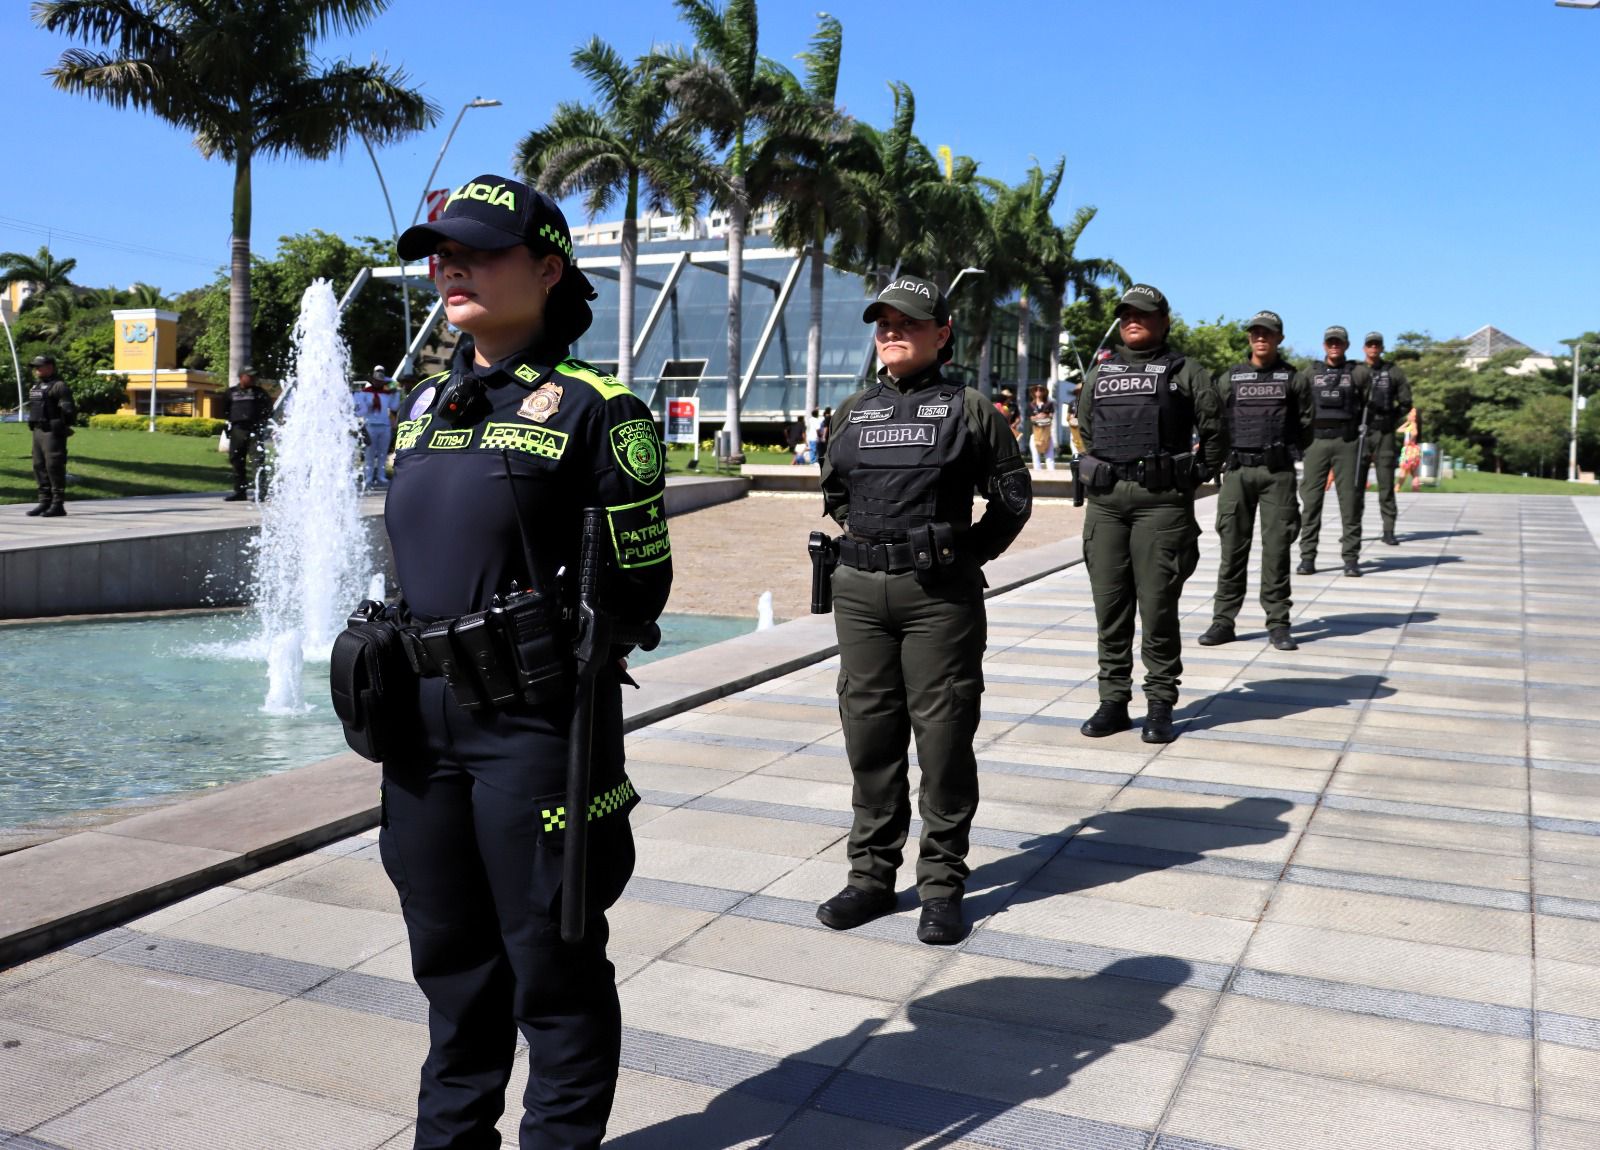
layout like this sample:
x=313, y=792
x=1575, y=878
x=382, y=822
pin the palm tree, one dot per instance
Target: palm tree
x=1063, y=270
x=244, y=80
x=146, y=295
x=42, y=270
x=725, y=88
x=626, y=144
x=823, y=181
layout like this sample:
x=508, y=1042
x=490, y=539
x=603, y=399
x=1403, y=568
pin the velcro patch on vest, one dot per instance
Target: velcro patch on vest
x=1140, y=384
x=531, y=439
x=900, y=435
x=451, y=440
x=871, y=414
x=636, y=449
x=407, y=434
x=639, y=532
x=1272, y=390
x=933, y=411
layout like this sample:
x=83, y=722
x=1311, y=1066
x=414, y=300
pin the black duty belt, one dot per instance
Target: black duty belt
x=890, y=557
x=1249, y=459
x=1333, y=433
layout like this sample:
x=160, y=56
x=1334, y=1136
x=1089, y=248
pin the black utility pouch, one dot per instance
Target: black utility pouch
x=530, y=625
x=1278, y=458
x=371, y=682
x=933, y=552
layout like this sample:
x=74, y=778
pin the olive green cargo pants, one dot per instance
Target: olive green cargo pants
x=1384, y=452
x=910, y=663
x=1244, y=489
x=1140, y=548
x=50, y=464
x=1337, y=456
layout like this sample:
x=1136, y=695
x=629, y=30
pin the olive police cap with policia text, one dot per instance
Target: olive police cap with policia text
x=1373, y=337
x=1336, y=332
x=913, y=296
x=1143, y=297
x=1270, y=320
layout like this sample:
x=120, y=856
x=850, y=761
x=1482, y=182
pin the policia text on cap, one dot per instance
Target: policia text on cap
x=905, y=457
x=496, y=461
x=1139, y=413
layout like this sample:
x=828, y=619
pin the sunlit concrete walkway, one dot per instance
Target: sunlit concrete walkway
x=1355, y=905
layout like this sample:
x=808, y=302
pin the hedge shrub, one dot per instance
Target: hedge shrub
x=166, y=424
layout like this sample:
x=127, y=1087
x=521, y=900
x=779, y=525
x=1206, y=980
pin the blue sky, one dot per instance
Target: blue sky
x=1411, y=164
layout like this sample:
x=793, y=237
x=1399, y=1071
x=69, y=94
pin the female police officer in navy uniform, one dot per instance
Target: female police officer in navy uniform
x=905, y=457
x=495, y=461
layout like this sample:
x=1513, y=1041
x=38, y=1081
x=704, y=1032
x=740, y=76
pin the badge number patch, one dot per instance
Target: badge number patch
x=450, y=440
x=899, y=435
x=933, y=411
x=637, y=450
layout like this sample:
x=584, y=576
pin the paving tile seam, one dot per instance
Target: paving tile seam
x=1534, y=1053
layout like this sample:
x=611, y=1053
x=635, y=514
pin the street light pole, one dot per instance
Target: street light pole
x=16, y=364
x=405, y=284
x=475, y=102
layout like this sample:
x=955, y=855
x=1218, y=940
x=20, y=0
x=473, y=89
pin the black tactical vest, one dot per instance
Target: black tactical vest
x=248, y=406
x=1259, y=403
x=1333, y=395
x=1139, y=411
x=43, y=406
x=902, y=456
x=1380, y=402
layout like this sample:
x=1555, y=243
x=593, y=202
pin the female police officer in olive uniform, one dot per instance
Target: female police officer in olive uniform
x=904, y=459
x=496, y=459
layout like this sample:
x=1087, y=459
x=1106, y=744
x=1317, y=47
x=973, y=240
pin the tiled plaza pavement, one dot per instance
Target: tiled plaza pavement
x=1354, y=905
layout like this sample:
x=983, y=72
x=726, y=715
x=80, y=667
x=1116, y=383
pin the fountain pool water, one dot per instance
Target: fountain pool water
x=106, y=714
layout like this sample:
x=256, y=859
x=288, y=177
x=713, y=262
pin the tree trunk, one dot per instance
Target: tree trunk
x=239, y=309
x=737, y=216
x=814, y=333
x=627, y=275
x=1022, y=345
x=985, y=349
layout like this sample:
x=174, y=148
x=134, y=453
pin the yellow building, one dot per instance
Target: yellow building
x=147, y=350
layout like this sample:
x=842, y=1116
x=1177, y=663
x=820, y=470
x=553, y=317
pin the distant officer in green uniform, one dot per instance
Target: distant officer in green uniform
x=1269, y=422
x=50, y=416
x=1387, y=408
x=1139, y=413
x=1339, y=404
x=905, y=457
x=247, y=408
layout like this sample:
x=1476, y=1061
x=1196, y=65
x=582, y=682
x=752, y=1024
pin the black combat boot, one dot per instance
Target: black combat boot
x=1307, y=567
x=55, y=510
x=1157, y=722
x=235, y=497
x=853, y=906
x=44, y=505
x=1280, y=638
x=1352, y=569
x=941, y=923
x=1390, y=539
x=1220, y=632
x=1107, y=720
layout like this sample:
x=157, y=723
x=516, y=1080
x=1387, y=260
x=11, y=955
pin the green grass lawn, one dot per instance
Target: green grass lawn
x=112, y=464
x=1488, y=483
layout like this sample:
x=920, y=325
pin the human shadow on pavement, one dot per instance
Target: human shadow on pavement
x=1356, y=623
x=1111, y=846
x=1420, y=536
x=1008, y=1040
x=1279, y=699
x=1375, y=564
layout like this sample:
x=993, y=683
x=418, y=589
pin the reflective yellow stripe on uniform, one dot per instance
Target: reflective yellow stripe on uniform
x=600, y=806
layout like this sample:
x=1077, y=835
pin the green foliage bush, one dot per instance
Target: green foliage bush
x=165, y=424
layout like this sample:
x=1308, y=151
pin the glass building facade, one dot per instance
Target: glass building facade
x=680, y=329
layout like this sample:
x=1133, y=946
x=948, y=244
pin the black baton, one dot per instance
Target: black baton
x=595, y=635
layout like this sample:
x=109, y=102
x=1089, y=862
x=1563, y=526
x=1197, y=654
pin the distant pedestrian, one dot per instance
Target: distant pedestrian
x=50, y=416
x=1041, y=426
x=377, y=404
x=246, y=408
x=822, y=434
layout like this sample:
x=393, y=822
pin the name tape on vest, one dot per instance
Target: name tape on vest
x=871, y=414
x=1271, y=390
x=899, y=435
x=1124, y=385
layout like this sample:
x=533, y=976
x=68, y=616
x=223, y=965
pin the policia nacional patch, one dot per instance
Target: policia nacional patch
x=637, y=450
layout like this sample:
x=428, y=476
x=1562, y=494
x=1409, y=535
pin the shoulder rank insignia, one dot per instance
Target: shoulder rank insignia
x=542, y=403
